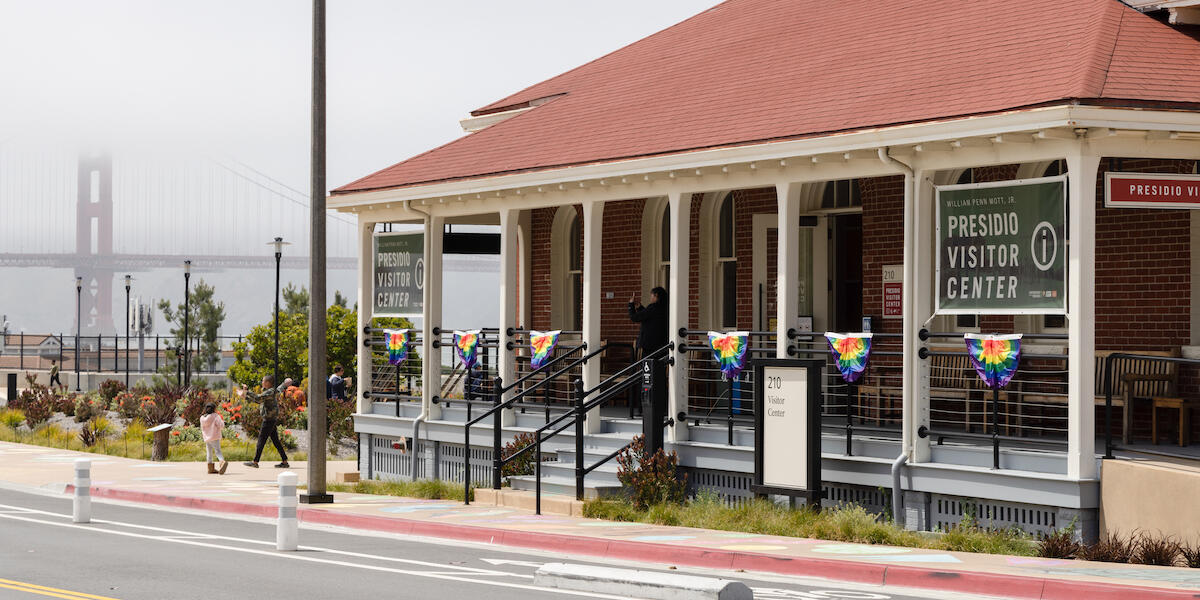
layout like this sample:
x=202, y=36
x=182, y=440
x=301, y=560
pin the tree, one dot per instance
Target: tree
x=295, y=301
x=342, y=301
x=205, y=317
x=255, y=357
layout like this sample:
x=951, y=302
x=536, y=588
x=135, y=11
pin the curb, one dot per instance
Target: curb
x=1013, y=586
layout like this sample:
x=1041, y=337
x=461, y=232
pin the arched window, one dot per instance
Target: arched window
x=841, y=194
x=726, y=266
x=575, y=276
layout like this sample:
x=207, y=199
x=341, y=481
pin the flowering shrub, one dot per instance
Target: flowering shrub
x=128, y=405
x=341, y=424
x=651, y=479
x=161, y=408
x=187, y=433
x=191, y=406
x=293, y=408
x=87, y=406
x=109, y=388
x=252, y=419
x=64, y=403
x=37, y=411
x=522, y=465
x=289, y=440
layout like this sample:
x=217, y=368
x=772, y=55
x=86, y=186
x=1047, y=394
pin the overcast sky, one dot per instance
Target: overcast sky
x=234, y=75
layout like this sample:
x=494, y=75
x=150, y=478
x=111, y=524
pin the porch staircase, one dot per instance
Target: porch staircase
x=558, y=476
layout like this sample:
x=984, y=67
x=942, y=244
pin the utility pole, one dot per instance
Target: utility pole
x=317, y=424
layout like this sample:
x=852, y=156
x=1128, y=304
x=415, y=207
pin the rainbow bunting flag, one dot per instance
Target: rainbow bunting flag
x=729, y=350
x=397, y=345
x=466, y=343
x=541, y=346
x=995, y=357
x=851, y=352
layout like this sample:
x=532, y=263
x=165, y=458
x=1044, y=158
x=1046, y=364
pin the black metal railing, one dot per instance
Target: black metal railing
x=499, y=404
x=1038, y=384
x=1127, y=384
x=393, y=383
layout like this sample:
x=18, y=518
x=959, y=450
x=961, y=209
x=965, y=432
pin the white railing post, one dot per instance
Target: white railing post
x=287, y=532
x=81, y=510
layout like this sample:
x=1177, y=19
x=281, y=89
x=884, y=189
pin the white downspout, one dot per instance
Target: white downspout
x=424, y=414
x=909, y=365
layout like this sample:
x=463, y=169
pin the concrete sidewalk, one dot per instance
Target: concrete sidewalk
x=252, y=492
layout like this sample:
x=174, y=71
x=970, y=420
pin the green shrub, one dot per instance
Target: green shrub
x=967, y=536
x=37, y=411
x=432, y=489
x=87, y=407
x=522, y=465
x=1059, y=544
x=1156, y=550
x=102, y=427
x=11, y=417
x=109, y=388
x=649, y=479
x=341, y=423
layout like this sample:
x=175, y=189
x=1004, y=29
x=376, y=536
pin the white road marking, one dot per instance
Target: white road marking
x=519, y=563
x=181, y=534
x=292, y=556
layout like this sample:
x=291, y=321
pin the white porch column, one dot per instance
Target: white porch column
x=680, y=300
x=787, y=255
x=431, y=316
x=917, y=307
x=366, y=236
x=593, y=226
x=1082, y=166
x=509, y=288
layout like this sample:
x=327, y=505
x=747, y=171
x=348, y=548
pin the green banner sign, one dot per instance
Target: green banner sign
x=398, y=274
x=1002, y=247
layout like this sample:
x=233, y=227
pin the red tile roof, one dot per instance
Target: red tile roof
x=759, y=70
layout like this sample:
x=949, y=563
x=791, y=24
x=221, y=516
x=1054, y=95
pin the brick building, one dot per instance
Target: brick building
x=770, y=163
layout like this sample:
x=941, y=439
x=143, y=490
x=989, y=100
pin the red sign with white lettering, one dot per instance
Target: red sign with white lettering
x=892, y=299
x=1151, y=190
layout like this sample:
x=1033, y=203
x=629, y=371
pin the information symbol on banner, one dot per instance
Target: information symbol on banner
x=1043, y=246
x=419, y=273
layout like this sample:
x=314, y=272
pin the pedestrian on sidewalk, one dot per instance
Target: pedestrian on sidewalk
x=269, y=398
x=211, y=425
x=54, y=374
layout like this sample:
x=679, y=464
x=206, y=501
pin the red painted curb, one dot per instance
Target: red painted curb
x=1013, y=586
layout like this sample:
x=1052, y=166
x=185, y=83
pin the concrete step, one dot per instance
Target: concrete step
x=590, y=457
x=564, y=486
x=719, y=434
x=599, y=477
x=631, y=427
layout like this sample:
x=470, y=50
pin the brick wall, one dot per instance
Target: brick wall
x=1143, y=268
x=746, y=204
x=883, y=243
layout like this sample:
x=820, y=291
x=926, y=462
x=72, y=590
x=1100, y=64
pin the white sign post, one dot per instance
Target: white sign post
x=787, y=434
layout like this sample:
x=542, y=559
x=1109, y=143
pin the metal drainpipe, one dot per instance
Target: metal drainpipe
x=897, y=490
x=909, y=365
x=421, y=418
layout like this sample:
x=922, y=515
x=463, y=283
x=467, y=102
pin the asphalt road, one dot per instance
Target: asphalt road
x=132, y=552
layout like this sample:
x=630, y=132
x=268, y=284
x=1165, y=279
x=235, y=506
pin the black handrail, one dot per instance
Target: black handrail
x=498, y=391
x=1108, y=391
x=547, y=366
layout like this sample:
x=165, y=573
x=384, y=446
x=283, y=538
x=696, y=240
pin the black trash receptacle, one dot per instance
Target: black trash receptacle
x=12, y=386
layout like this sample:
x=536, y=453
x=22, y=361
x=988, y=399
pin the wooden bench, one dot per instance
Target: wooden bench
x=1132, y=379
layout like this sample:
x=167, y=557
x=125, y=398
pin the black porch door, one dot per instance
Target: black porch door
x=847, y=272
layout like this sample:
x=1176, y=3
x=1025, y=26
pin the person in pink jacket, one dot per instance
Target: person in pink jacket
x=211, y=425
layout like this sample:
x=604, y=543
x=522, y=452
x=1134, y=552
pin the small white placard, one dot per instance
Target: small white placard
x=785, y=427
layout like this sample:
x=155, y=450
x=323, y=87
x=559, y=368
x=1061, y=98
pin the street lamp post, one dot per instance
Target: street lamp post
x=278, y=244
x=128, y=281
x=78, y=324
x=187, y=342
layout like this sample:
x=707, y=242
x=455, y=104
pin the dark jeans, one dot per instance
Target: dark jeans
x=55, y=380
x=270, y=429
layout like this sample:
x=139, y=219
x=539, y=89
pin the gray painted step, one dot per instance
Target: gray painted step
x=714, y=434
x=630, y=427
x=563, y=486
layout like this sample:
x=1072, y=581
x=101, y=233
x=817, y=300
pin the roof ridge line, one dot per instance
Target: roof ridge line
x=1113, y=51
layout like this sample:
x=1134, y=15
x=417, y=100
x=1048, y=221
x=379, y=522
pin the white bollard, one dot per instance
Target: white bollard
x=288, y=530
x=81, y=511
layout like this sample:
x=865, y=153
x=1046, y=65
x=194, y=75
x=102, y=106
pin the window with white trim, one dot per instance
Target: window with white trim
x=663, y=274
x=575, y=276
x=726, y=266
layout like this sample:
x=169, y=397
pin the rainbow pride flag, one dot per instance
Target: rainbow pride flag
x=995, y=357
x=466, y=343
x=541, y=346
x=851, y=352
x=729, y=350
x=397, y=345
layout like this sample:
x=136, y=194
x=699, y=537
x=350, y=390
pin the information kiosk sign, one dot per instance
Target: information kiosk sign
x=787, y=432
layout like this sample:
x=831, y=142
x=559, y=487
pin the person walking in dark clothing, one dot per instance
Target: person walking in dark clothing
x=653, y=319
x=54, y=380
x=653, y=335
x=270, y=423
